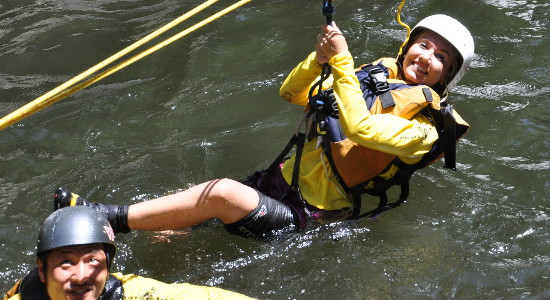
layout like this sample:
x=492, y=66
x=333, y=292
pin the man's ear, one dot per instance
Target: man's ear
x=41, y=271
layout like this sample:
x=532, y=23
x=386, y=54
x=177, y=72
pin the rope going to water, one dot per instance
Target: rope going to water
x=398, y=18
x=76, y=83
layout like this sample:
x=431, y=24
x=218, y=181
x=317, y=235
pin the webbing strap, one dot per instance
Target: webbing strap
x=328, y=153
x=387, y=99
x=449, y=137
x=356, y=206
x=401, y=178
x=275, y=164
x=297, y=140
x=254, y=181
x=428, y=94
x=299, y=148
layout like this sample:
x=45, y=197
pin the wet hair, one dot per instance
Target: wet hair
x=43, y=258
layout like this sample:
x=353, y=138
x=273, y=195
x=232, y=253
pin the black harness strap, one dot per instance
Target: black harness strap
x=449, y=137
x=380, y=188
x=299, y=149
x=260, y=179
x=296, y=140
x=281, y=157
x=428, y=95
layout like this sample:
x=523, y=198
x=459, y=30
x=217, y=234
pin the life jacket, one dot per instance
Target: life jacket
x=358, y=168
x=31, y=287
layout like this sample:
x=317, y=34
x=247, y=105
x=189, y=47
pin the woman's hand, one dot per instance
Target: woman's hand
x=330, y=42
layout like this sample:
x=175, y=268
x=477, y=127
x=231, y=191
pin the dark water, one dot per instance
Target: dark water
x=207, y=106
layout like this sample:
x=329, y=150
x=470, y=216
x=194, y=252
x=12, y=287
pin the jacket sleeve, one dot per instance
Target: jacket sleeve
x=295, y=88
x=146, y=288
x=386, y=133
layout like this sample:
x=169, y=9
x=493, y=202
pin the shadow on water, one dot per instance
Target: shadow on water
x=208, y=106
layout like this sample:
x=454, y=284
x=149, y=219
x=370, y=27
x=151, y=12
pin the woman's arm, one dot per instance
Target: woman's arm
x=387, y=133
x=295, y=88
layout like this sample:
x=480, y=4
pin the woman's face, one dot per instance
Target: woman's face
x=428, y=59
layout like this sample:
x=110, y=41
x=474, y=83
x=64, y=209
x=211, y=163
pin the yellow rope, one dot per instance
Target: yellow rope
x=398, y=18
x=70, y=87
x=156, y=47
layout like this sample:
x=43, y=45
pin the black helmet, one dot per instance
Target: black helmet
x=73, y=226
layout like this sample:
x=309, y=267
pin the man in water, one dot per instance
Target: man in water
x=75, y=250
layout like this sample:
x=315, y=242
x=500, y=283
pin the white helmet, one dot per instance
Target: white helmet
x=456, y=34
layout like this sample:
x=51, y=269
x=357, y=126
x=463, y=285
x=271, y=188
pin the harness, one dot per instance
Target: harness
x=381, y=96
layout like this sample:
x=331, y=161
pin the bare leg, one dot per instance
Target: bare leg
x=225, y=199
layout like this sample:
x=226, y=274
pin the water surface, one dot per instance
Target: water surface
x=207, y=106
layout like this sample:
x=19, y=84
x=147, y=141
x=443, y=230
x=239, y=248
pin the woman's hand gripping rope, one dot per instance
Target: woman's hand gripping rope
x=330, y=42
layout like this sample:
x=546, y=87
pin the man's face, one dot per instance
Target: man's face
x=76, y=272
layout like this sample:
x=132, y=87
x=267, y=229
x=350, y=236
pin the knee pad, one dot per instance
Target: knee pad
x=268, y=219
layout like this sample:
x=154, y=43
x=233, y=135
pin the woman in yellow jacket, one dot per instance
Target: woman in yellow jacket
x=436, y=57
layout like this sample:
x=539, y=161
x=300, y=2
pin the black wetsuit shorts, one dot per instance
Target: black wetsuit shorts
x=270, y=219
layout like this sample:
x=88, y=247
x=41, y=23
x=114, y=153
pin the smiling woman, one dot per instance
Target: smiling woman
x=367, y=149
